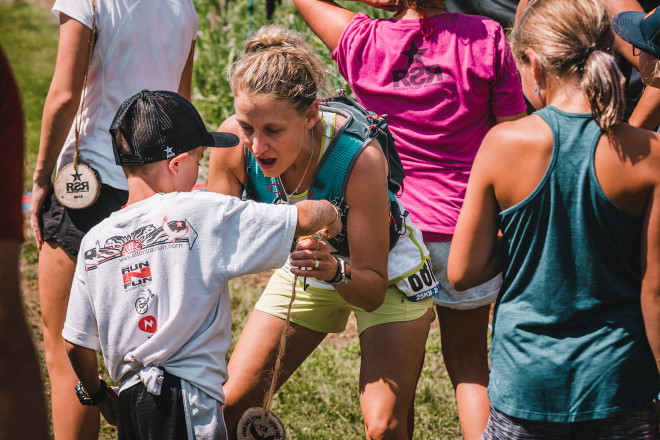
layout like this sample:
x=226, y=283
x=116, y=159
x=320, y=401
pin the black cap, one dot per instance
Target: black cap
x=639, y=29
x=157, y=125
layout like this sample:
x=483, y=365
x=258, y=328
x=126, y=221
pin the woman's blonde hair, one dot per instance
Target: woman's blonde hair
x=574, y=38
x=278, y=62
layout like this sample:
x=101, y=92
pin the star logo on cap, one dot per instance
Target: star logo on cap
x=76, y=176
x=168, y=152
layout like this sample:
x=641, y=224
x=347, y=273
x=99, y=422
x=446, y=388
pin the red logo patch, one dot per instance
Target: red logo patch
x=144, y=272
x=148, y=324
x=131, y=247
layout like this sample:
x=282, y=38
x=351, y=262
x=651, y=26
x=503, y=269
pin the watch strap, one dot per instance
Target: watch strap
x=95, y=398
x=343, y=275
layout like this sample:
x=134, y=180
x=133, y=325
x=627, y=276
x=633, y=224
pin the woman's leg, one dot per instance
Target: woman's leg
x=251, y=363
x=464, y=349
x=71, y=420
x=392, y=357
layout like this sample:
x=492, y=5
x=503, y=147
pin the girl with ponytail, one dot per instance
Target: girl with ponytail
x=565, y=203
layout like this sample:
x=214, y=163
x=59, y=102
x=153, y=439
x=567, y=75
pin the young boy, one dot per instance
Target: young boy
x=150, y=289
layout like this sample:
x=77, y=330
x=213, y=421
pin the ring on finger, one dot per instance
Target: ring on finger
x=316, y=264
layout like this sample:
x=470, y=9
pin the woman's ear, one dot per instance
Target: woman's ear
x=312, y=115
x=537, y=70
x=174, y=162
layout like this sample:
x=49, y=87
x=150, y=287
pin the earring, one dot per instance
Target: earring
x=536, y=89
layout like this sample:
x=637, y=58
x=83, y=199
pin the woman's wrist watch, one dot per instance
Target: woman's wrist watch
x=343, y=274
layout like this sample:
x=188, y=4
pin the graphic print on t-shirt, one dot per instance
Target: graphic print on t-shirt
x=136, y=275
x=148, y=324
x=416, y=74
x=144, y=240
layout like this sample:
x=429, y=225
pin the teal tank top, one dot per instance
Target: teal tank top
x=568, y=337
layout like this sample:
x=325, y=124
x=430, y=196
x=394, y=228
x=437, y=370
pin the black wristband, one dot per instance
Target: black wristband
x=94, y=399
x=337, y=276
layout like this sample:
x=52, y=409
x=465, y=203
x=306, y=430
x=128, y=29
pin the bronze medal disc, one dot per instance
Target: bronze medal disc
x=258, y=424
x=77, y=188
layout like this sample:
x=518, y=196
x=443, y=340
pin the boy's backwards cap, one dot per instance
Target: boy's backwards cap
x=640, y=29
x=156, y=125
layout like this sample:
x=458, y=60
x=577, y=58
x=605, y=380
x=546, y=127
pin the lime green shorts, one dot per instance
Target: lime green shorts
x=326, y=311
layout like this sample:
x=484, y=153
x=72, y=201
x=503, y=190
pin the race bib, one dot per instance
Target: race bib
x=421, y=284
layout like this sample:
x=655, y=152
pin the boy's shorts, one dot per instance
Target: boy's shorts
x=144, y=415
x=637, y=425
x=473, y=298
x=68, y=226
x=326, y=311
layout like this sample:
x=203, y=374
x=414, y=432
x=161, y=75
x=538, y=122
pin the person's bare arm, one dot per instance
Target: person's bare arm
x=185, y=84
x=226, y=165
x=623, y=47
x=650, y=296
x=325, y=18
x=317, y=216
x=647, y=111
x=22, y=407
x=476, y=254
x=84, y=364
x=59, y=110
x=519, y=9
x=368, y=235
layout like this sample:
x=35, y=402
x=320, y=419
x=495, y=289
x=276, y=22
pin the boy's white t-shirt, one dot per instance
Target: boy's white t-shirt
x=150, y=287
x=141, y=44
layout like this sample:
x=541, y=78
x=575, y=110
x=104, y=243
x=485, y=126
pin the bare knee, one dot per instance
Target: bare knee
x=383, y=423
x=381, y=428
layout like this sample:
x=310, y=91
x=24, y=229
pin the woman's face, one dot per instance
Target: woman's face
x=273, y=130
x=648, y=69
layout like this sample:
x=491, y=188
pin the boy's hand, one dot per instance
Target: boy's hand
x=332, y=229
x=108, y=408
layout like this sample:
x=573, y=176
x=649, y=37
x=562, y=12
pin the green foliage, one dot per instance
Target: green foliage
x=220, y=41
x=29, y=37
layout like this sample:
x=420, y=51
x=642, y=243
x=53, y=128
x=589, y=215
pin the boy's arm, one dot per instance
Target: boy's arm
x=315, y=216
x=84, y=364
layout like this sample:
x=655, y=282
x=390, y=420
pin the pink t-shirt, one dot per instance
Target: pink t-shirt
x=440, y=94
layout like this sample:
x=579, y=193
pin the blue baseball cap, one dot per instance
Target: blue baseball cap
x=640, y=29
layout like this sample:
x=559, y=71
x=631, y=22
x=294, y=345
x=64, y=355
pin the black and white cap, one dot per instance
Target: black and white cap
x=156, y=125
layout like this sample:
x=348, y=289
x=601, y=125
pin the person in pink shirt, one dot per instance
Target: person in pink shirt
x=444, y=79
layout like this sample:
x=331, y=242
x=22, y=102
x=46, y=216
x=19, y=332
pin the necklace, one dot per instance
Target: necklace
x=309, y=162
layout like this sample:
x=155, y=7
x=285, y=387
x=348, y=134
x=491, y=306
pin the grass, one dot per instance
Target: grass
x=321, y=399
x=29, y=36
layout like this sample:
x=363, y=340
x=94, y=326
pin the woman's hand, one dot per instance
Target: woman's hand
x=39, y=194
x=313, y=260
